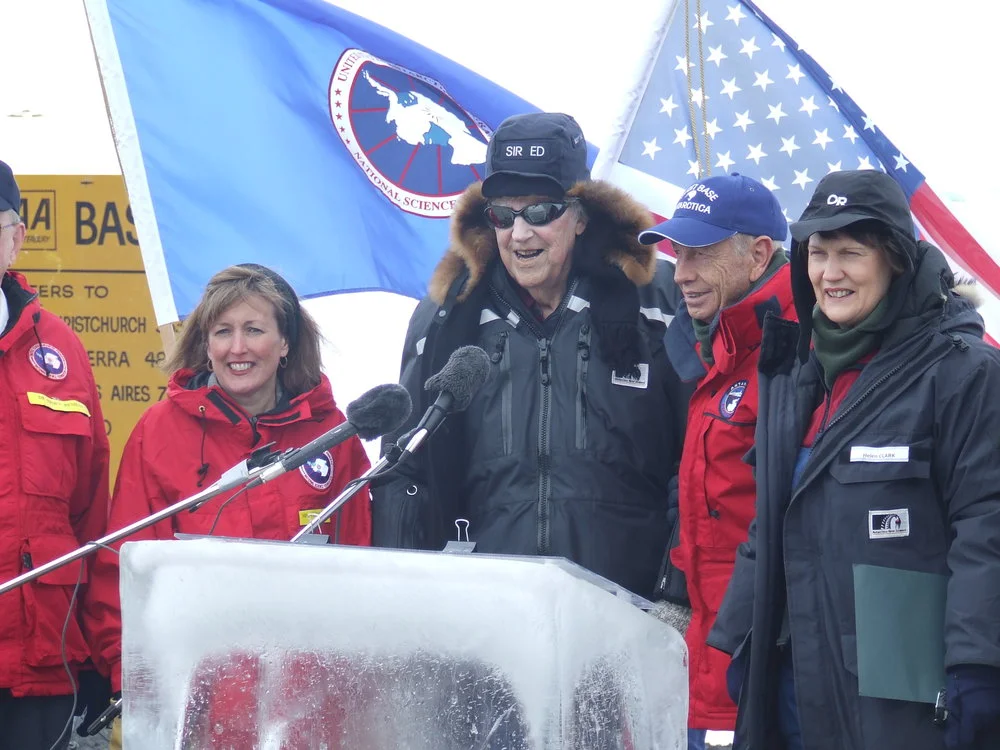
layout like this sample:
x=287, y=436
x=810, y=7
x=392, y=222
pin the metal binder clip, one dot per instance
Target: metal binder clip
x=940, y=708
x=461, y=545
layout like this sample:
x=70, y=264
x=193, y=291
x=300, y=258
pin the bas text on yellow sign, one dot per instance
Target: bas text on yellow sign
x=81, y=253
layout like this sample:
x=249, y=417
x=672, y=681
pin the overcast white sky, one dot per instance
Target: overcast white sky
x=924, y=72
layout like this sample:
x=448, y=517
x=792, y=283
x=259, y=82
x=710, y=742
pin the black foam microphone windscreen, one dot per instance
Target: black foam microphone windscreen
x=464, y=373
x=380, y=410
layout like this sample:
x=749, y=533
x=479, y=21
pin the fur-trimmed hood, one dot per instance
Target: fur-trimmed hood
x=613, y=215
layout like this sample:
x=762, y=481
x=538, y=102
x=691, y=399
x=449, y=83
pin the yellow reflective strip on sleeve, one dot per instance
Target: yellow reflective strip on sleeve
x=56, y=404
x=306, y=516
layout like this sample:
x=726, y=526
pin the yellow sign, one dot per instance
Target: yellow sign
x=57, y=404
x=82, y=255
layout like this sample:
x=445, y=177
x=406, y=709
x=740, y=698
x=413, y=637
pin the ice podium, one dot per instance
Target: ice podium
x=240, y=645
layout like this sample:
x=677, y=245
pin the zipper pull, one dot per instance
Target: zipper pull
x=498, y=353
x=961, y=344
x=543, y=360
x=583, y=343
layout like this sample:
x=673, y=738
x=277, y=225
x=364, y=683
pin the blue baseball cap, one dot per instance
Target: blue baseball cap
x=10, y=196
x=716, y=208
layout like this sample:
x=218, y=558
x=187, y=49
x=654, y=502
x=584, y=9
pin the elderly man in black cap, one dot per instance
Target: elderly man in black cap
x=570, y=447
x=53, y=498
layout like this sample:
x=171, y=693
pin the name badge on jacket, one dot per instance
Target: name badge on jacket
x=888, y=524
x=640, y=382
x=889, y=454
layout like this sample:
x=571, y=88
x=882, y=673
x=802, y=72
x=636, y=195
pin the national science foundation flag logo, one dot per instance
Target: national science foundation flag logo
x=410, y=138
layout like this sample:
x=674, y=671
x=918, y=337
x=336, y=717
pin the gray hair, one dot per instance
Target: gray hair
x=10, y=216
x=743, y=242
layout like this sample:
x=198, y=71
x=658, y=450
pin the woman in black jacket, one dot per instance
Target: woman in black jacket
x=870, y=585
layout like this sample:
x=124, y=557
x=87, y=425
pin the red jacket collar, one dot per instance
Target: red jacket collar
x=739, y=327
x=214, y=403
x=22, y=302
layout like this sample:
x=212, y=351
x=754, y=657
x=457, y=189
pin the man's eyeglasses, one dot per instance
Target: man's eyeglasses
x=536, y=214
x=4, y=226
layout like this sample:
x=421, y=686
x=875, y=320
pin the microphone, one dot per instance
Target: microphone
x=462, y=376
x=374, y=413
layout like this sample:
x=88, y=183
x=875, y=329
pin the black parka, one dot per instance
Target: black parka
x=933, y=389
x=554, y=456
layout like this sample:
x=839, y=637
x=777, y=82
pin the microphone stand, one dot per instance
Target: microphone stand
x=237, y=476
x=398, y=452
x=342, y=498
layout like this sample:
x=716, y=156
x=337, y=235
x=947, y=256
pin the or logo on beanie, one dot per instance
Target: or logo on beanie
x=836, y=200
x=413, y=142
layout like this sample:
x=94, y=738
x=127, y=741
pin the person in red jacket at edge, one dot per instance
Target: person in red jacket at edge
x=245, y=372
x=726, y=233
x=53, y=499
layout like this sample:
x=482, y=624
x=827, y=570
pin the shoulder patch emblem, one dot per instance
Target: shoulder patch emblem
x=48, y=361
x=319, y=471
x=888, y=524
x=732, y=398
x=633, y=382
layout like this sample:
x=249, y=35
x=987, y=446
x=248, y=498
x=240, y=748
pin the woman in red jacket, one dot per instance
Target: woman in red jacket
x=245, y=372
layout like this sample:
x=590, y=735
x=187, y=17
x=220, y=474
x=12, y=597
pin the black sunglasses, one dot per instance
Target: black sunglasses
x=536, y=214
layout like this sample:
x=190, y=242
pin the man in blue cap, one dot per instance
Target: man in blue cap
x=726, y=233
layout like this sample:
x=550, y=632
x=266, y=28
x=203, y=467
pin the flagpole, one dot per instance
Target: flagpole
x=168, y=336
x=625, y=114
x=130, y=160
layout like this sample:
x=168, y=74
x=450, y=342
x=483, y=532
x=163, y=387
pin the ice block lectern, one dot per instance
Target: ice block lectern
x=241, y=645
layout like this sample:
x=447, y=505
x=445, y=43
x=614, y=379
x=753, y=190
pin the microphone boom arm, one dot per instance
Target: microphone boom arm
x=233, y=478
x=350, y=491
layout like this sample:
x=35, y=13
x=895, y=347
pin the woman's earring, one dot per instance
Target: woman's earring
x=209, y=365
x=283, y=362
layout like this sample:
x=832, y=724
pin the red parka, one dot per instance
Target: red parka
x=184, y=444
x=716, y=488
x=53, y=489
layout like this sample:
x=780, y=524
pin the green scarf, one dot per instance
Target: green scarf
x=837, y=349
x=703, y=333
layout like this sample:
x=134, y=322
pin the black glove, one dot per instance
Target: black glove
x=736, y=672
x=93, y=697
x=973, y=699
x=671, y=583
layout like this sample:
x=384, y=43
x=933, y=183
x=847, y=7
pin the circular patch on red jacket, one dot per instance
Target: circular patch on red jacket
x=318, y=472
x=729, y=402
x=48, y=360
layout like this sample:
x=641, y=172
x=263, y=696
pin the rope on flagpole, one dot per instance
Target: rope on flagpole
x=702, y=153
x=687, y=77
x=704, y=95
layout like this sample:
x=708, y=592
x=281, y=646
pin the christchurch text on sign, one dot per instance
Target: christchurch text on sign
x=106, y=323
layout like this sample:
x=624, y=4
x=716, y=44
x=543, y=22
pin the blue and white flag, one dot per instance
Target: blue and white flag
x=289, y=133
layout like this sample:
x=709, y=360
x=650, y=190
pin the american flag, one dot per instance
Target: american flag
x=729, y=91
